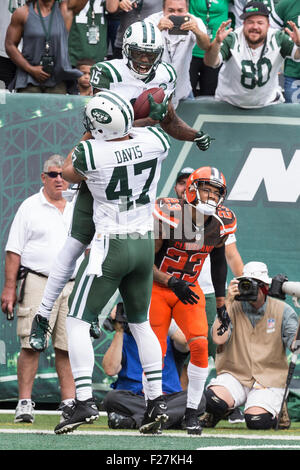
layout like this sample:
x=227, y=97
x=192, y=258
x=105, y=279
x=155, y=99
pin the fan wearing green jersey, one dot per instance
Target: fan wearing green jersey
x=285, y=11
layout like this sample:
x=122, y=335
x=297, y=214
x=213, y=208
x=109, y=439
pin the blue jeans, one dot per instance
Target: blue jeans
x=291, y=89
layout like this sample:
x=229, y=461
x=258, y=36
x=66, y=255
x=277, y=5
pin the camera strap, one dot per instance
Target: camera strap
x=47, y=33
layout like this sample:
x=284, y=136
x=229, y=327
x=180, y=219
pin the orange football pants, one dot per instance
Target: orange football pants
x=191, y=319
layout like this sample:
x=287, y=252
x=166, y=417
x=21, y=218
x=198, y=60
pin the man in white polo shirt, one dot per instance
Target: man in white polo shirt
x=178, y=47
x=37, y=234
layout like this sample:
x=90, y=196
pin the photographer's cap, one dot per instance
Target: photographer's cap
x=257, y=271
x=184, y=173
x=254, y=8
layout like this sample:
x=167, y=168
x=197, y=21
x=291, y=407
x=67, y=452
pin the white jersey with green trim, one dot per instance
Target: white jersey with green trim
x=122, y=176
x=249, y=77
x=116, y=76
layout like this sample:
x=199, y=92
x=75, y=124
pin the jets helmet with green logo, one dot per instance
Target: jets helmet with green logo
x=142, y=48
x=108, y=116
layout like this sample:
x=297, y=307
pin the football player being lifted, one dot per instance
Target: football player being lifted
x=140, y=69
x=187, y=231
x=122, y=251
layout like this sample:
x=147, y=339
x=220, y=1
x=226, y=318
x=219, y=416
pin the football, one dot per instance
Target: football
x=141, y=106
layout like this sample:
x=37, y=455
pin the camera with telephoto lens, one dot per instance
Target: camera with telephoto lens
x=275, y=289
x=121, y=317
x=178, y=21
x=47, y=61
x=248, y=289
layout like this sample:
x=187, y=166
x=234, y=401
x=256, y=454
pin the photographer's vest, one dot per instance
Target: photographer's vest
x=255, y=354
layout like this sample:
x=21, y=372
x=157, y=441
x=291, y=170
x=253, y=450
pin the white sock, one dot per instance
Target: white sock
x=150, y=356
x=68, y=401
x=61, y=272
x=145, y=386
x=197, y=377
x=81, y=355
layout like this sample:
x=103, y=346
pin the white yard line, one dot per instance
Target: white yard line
x=182, y=434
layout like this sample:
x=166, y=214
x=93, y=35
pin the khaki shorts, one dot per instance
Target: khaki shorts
x=34, y=289
x=268, y=398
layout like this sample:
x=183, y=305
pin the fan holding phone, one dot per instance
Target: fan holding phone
x=180, y=31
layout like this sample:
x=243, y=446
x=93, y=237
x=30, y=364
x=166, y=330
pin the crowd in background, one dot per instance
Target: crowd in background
x=92, y=31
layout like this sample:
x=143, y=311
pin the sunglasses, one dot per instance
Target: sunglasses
x=53, y=174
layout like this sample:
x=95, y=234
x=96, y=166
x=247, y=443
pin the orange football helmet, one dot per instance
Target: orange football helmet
x=199, y=179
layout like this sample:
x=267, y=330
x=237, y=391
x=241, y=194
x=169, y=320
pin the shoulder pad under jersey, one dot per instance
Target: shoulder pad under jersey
x=227, y=219
x=82, y=157
x=168, y=210
x=102, y=74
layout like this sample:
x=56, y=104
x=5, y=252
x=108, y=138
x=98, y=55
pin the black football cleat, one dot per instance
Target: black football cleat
x=155, y=416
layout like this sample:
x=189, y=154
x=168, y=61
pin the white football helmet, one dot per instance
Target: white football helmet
x=142, y=48
x=199, y=179
x=108, y=116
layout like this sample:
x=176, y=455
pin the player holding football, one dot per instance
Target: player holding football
x=140, y=68
x=187, y=231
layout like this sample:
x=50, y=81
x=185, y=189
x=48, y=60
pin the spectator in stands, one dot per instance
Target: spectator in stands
x=285, y=11
x=131, y=12
x=43, y=66
x=38, y=232
x=204, y=79
x=125, y=405
x=84, y=86
x=113, y=21
x=88, y=33
x=252, y=57
x=7, y=67
x=251, y=361
x=179, y=42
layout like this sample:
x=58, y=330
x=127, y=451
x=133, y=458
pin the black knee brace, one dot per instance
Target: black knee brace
x=262, y=421
x=214, y=404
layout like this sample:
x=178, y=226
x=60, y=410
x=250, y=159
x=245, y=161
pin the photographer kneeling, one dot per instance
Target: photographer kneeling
x=251, y=362
x=125, y=404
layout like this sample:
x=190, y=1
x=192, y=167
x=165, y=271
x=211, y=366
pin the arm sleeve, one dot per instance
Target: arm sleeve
x=18, y=233
x=100, y=76
x=289, y=326
x=218, y=270
x=79, y=159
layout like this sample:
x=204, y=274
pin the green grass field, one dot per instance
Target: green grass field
x=226, y=436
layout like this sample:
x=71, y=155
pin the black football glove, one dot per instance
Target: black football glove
x=157, y=110
x=203, y=140
x=224, y=318
x=182, y=290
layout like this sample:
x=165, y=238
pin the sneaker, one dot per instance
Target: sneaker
x=116, y=421
x=95, y=331
x=285, y=421
x=155, y=416
x=24, y=412
x=66, y=410
x=38, y=335
x=192, y=423
x=82, y=412
x=236, y=416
